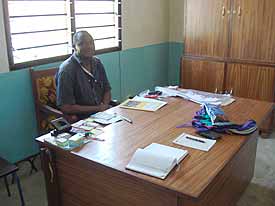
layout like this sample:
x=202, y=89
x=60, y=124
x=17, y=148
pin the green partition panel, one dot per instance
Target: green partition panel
x=18, y=124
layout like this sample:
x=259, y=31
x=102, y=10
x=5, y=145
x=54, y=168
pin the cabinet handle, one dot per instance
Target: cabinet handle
x=51, y=171
x=239, y=11
x=48, y=152
x=223, y=11
x=231, y=91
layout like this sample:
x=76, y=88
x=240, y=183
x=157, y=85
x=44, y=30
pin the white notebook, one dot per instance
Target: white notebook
x=188, y=140
x=156, y=160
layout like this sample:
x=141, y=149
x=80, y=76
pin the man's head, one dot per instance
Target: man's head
x=83, y=44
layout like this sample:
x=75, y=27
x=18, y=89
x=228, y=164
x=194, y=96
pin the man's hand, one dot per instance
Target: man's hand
x=103, y=107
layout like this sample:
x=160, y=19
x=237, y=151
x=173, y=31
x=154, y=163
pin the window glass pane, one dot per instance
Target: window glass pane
x=94, y=6
x=30, y=21
x=40, y=53
x=94, y=20
x=26, y=24
x=106, y=43
x=38, y=39
x=101, y=32
x=22, y=8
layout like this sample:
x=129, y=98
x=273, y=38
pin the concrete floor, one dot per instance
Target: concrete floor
x=260, y=192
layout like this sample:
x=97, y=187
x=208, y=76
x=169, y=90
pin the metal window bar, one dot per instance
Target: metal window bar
x=39, y=46
x=37, y=15
x=89, y=27
x=71, y=16
x=32, y=32
x=111, y=37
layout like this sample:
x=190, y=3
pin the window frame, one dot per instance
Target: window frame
x=72, y=28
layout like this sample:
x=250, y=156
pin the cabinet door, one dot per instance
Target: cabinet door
x=253, y=30
x=251, y=81
x=206, y=27
x=202, y=75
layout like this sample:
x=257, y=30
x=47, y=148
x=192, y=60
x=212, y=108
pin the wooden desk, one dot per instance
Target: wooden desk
x=95, y=174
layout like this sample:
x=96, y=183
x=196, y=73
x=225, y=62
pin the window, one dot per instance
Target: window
x=40, y=31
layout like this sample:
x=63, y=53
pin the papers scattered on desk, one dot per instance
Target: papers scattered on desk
x=106, y=118
x=141, y=103
x=87, y=126
x=188, y=140
x=199, y=97
x=156, y=160
x=68, y=144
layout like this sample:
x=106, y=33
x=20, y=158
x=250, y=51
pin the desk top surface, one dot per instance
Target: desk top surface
x=198, y=169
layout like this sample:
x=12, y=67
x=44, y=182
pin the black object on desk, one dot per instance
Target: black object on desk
x=210, y=135
x=61, y=125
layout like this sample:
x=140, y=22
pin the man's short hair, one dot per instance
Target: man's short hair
x=78, y=35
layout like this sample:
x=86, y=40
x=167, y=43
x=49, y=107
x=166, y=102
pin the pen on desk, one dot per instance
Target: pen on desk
x=198, y=140
x=96, y=138
x=126, y=119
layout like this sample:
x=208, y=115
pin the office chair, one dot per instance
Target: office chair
x=44, y=92
x=6, y=169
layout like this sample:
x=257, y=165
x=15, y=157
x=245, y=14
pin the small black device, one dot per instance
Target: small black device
x=61, y=125
x=210, y=135
x=155, y=93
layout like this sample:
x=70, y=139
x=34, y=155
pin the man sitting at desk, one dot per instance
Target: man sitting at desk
x=82, y=84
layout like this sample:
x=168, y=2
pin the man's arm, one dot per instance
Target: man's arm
x=107, y=97
x=82, y=109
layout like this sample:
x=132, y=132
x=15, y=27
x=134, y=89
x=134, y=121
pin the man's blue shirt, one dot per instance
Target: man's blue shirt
x=75, y=86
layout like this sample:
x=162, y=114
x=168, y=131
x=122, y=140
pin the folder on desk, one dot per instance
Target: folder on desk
x=156, y=160
x=141, y=103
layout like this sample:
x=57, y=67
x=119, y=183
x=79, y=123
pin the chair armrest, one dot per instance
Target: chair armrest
x=50, y=110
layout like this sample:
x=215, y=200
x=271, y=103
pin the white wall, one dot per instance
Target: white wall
x=144, y=22
x=176, y=20
x=4, y=63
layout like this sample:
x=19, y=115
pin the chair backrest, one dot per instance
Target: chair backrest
x=44, y=93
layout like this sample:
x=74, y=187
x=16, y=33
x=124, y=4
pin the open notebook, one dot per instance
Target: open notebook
x=156, y=160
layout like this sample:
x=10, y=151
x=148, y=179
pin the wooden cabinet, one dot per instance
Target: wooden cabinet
x=253, y=31
x=241, y=30
x=206, y=27
x=236, y=35
x=250, y=81
x=202, y=75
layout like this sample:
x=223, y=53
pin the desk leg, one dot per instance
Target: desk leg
x=268, y=125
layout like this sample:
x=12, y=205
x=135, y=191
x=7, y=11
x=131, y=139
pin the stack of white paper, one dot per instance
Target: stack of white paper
x=106, y=118
x=197, y=96
x=156, y=160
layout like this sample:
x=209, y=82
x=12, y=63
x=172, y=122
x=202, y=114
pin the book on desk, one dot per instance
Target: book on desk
x=156, y=160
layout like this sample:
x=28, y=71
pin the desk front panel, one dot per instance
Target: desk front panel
x=82, y=183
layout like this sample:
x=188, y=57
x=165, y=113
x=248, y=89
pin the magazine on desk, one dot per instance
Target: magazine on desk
x=141, y=103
